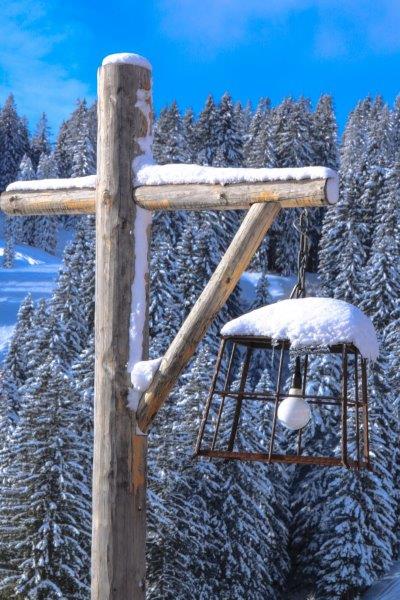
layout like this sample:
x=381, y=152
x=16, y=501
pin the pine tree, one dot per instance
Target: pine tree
x=50, y=518
x=343, y=225
x=325, y=153
x=324, y=132
x=309, y=484
x=228, y=138
x=293, y=140
x=47, y=167
x=184, y=532
x=15, y=364
x=40, y=142
x=254, y=127
x=26, y=172
x=80, y=143
x=13, y=142
x=207, y=143
x=75, y=152
x=62, y=153
x=169, y=140
x=255, y=508
x=382, y=274
x=243, y=116
x=189, y=136
x=356, y=537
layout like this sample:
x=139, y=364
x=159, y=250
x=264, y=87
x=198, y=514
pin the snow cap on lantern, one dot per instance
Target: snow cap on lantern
x=309, y=323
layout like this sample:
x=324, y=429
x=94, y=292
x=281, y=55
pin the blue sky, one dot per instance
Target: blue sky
x=50, y=50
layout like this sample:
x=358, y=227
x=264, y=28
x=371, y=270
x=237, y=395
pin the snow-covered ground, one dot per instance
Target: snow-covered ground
x=388, y=588
x=34, y=272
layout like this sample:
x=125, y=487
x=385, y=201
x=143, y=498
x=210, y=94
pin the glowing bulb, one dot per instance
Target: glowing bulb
x=294, y=413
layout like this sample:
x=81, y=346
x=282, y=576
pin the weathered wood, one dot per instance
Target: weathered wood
x=119, y=468
x=238, y=196
x=289, y=194
x=322, y=461
x=249, y=236
x=69, y=201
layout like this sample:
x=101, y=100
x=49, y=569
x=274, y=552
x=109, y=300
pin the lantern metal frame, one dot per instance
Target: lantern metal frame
x=211, y=426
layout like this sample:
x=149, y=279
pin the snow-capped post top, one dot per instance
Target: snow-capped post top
x=128, y=58
x=309, y=323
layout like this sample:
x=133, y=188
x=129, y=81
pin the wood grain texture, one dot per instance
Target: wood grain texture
x=249, y=236
x=119, y=468
x=289, y=194
x=48, y=202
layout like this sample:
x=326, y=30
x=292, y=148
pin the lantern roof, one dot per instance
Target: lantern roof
x=309, y=323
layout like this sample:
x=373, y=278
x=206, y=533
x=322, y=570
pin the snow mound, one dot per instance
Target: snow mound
x=143, y=372
x=186, y=174
x=309, y=322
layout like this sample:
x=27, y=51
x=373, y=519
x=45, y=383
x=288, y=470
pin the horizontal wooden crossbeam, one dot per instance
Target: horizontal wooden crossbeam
x=235, y=196
x=81, y=200
x=71, y=201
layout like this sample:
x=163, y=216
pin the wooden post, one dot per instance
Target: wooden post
x=119, y=469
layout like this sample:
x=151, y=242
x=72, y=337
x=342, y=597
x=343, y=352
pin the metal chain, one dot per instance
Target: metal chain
x=299, y=290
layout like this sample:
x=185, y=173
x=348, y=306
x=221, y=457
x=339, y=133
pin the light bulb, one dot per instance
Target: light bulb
x=294, y=413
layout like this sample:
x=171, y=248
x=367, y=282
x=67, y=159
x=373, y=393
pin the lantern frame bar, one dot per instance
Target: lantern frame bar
x=239, y=400
x=226, y=385
x=210, y=395
x=277, y=398
x=271, y=397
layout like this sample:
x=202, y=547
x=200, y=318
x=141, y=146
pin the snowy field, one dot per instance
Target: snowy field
x=34, y=272
x=388, y=588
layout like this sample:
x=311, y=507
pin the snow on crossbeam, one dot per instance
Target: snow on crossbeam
x=309, y=323
x=186, y=174
x=210, y=188
x=38, y=185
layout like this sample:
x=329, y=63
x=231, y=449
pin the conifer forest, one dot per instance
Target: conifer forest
x=218, y=530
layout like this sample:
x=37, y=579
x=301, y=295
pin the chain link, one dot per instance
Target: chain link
x=299, y=290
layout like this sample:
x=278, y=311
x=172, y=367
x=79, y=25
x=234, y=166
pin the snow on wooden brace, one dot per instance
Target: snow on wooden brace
x=77, y=196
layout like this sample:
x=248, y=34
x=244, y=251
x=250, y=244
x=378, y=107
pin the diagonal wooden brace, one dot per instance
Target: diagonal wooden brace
x=248, y=238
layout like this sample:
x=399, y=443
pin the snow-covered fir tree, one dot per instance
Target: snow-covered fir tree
x=207, y=145
x=50, y=517
x=14, y=142
x=40, y=143
x=169, y=137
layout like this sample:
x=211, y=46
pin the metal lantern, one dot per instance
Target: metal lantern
x=213, y=440
x=222, y=433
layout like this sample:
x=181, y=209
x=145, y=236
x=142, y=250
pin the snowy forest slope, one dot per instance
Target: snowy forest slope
x=235, y=530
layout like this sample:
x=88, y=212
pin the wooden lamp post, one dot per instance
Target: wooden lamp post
x=122, y=231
